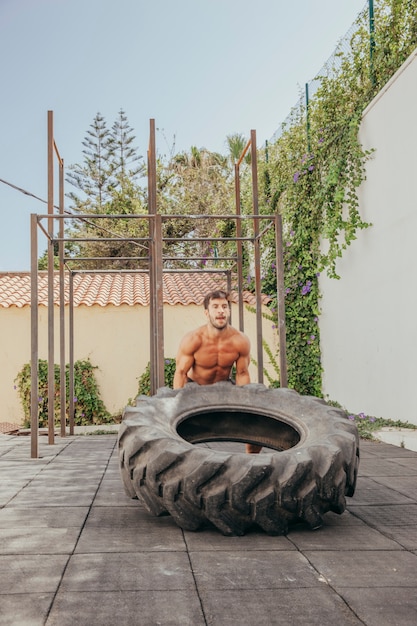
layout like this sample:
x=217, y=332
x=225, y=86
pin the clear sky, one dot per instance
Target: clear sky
x=203, y=69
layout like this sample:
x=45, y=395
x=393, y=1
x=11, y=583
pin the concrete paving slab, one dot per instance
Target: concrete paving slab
x=36, y=541
x=258, y=569
x=372, y=607
x=45, y=517
x=315, y=606
x=164, y=536
x=25, y=609
x=368, y=491
x=376, y=466
x=353, y=537
x=407, y=485
x=137, y=571
x=134, y=608
x=383, y=516
x=366, y=568
x=29, y=573
x=35, y=498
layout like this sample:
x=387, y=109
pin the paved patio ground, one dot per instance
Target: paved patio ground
x=75, y=550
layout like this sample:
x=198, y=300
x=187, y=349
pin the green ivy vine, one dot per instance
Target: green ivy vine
x=89, y=408
x=312, y=173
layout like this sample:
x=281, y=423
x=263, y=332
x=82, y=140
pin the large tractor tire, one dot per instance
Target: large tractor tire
x=308, y=464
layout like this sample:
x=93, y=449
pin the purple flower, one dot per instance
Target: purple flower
x=292, y=233
x=306, y=289
x=311, y=168
x=351, y=417
x=371, y=419
x=362, y=416
x=75, y=399
x=296, y=176
x=273, y=326
x=288, y=290
x=316, y=319
x=312, y=337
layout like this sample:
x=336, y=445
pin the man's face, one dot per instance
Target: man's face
x=218, y=313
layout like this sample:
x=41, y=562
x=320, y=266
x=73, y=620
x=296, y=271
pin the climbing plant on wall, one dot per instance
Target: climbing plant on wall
x=313, y=171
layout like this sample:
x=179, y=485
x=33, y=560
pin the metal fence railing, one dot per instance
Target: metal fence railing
x=330, y=67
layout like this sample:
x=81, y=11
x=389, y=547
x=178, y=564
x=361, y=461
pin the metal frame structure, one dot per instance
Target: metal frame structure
x=155, y=268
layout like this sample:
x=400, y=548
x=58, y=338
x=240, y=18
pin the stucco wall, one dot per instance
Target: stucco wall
x=116, y=339
x=368, y=325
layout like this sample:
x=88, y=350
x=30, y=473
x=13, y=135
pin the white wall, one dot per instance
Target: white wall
x=368, y=325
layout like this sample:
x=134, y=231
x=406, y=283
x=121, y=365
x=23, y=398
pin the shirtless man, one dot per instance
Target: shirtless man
x=206, y=355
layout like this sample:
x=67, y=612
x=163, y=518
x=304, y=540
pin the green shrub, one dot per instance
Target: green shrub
x=145, y=379
x=88, y=406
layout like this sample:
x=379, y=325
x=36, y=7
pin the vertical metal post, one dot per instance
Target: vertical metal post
x=371, y=41
x=283, y=373
x=159, y=304
x=308, y=121
x=62, y=377
x=153, y=265
x=257, y=257
x=34, y=382
x=51, y=359
x=239, y=248
x=71, y=355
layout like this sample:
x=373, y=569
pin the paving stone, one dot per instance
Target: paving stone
x=139, y=571
x=368, y=491
x=252, y=570
x=162, y=535
x=25, y=609
x=131, y=608
x=377, y=466
x=48, y=517
x=366, y=568
x=38, y=540
x=27, y=573
x=372, y=607
x=354, y=537
x=406, y=485
x=382, y=516
x=277, y=607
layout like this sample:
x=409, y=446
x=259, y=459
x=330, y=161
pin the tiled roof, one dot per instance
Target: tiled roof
x=116, y=289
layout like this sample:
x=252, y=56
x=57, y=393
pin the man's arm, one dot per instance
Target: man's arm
x=184, y=361
x=242, y=362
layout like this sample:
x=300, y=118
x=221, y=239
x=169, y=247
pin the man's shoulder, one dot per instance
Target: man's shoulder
x=194, y=336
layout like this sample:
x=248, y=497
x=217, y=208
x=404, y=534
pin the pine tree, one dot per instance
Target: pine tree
x=93, y=177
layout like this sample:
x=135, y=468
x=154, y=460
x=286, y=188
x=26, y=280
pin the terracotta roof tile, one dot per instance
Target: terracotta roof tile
x=116, y=289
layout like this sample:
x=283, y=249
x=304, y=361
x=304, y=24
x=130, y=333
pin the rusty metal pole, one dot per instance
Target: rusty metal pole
x=283, y=373
x=71, y=355
x=257, y=257
x=34, y=324
x=51, y=355
x=62, y=377
x=153, y=342
x=239, y=248
x=159, y=303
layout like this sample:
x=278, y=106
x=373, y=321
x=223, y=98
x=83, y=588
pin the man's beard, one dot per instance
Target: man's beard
x=220, y=323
